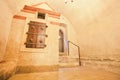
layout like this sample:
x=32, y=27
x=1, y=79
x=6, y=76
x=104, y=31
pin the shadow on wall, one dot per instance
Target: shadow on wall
x=7, y=69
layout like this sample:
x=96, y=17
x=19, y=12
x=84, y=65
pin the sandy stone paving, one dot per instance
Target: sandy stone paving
x=78, y=73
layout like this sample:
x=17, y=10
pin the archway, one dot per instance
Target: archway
x=61, y=41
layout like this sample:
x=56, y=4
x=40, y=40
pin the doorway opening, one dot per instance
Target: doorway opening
x=61, y=41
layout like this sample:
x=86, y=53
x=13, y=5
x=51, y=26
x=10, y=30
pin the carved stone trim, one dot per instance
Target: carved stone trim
x=19, y=17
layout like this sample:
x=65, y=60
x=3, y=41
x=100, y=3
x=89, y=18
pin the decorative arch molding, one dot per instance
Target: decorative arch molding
x=64, y=40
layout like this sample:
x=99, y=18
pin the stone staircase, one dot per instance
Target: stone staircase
x=68, y=61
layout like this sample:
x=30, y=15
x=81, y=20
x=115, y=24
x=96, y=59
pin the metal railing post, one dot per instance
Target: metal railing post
x=68, y=48
x=78, y=50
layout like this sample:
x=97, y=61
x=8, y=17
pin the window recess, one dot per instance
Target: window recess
x=41, y=15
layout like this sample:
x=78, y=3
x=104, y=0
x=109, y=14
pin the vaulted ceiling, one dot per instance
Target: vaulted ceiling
x=79, y=12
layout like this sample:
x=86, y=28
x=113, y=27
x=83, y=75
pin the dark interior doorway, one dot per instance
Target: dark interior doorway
x=61, y=41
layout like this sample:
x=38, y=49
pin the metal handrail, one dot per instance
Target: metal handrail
x=78, y=50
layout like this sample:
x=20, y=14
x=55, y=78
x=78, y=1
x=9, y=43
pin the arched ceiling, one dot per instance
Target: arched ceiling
x=80, y=12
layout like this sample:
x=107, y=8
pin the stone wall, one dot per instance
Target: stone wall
x=5, y=19
x=7, y=69
x=31, y=59
x=99, y=40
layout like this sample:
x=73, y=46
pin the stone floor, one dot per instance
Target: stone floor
x=86, y=73
x=77, y=73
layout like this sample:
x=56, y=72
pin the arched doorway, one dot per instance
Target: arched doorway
x=61, y=41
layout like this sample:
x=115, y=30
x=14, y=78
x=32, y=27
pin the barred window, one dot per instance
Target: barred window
x=41, y=15
x=36, y=35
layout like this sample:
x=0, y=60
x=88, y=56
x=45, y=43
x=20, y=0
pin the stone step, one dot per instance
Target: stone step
x=68, y=58
x=75, y=64
x=68, y=61
x=63, y=54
